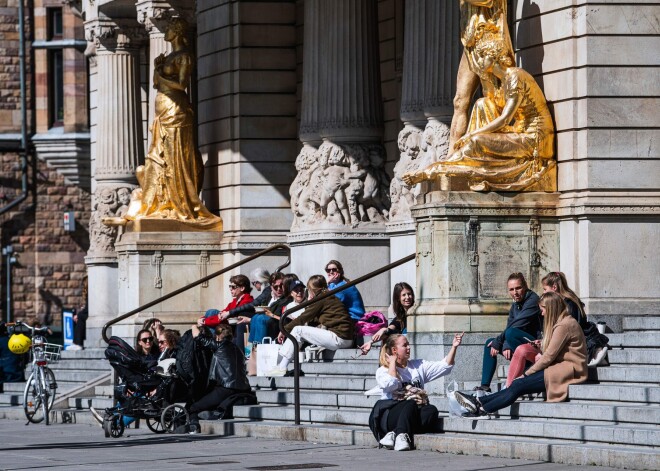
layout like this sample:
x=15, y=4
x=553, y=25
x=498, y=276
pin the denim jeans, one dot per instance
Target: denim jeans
x=262, y=326
x=514, y=337
x=531, y=384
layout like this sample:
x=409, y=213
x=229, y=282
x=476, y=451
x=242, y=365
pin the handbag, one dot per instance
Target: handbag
x=267, y=357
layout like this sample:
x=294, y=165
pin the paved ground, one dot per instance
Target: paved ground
x=83, y=447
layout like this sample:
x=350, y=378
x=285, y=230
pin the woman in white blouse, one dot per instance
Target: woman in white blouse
x=403, y=409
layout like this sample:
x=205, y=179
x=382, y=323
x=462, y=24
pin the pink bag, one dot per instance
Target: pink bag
x=370, y=323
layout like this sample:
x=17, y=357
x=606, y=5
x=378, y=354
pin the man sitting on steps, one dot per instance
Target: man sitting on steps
x=522, y=326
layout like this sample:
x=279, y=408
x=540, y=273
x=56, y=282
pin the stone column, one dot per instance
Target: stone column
x=340, y=198
x=119, y=150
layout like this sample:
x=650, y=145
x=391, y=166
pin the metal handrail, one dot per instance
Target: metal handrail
x=303, y=305
x=195, y=283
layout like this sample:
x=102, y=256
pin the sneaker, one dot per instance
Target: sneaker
x=194, y=429
x=276, y=372
x=96, y=416
x=468, y=401
x=289, y=373
x=388, y=440
x=74, y=347
x=402, y=442
x=481, y=388
x=598, y=357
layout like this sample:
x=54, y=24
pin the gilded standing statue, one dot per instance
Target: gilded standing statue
x=171, y=178
x=508, y=142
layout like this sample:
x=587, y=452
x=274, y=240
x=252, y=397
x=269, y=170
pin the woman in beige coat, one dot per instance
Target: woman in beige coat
x=564, y=362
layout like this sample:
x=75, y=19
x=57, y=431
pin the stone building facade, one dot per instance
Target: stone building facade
x=49, y=262
x=309, y=112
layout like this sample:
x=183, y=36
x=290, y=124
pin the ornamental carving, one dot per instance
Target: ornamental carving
x=110, y=202
x=111, y=34
x=340, y=185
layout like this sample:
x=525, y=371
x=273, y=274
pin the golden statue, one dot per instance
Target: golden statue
x=171, y=178
x=509, y=140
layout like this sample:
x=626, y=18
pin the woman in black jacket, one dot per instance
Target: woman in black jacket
x=227, y=375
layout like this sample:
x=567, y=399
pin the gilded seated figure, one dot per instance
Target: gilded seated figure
x=172, y=176
x=510, y=137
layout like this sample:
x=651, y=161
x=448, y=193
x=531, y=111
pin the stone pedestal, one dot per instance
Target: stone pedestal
x=402, y=243
x=359, y=250
x=467, y=245
x=152, y=264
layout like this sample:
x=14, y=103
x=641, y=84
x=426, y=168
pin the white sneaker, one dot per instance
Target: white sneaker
x=96, y=416
x=598, y=357
x=388, y=440
x=74, y=347
x=402, y=442
x=277, y=372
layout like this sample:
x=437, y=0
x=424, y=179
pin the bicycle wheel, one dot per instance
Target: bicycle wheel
x=32, y=400
x=45, y=393
x=174, y=416
x=51, y=386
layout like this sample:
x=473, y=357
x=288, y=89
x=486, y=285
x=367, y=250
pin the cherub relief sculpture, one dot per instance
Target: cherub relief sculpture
x=339, y=185
x=102, y=237
x=509, y=141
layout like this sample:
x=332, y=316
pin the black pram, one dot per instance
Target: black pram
x=145, y=391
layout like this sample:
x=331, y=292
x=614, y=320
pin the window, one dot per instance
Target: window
x=55, y=28
x=55, y=69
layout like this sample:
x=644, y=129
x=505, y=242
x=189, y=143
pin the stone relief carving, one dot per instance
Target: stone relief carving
x=340, y=185
x=418, y=150
x=110, y=202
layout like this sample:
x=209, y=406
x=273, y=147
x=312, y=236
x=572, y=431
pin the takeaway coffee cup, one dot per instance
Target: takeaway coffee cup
x=601, y=327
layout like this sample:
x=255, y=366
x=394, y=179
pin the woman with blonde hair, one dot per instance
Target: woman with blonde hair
x=563, y=362
x=404, y=408
x=334, y=327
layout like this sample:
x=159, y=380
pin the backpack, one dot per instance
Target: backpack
x=121, y=353
x=370, y=323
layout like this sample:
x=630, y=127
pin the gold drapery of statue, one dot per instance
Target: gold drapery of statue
x=171, y=178
x=509, y=139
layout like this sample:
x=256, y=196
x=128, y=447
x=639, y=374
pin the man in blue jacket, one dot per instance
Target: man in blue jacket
x=522, y=326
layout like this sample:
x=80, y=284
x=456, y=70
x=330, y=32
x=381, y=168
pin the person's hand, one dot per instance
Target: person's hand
x=195, y=330
x=536, y=344
x=243, y=320
x=75, y=318
x=458, y=338
x=223, y=315
x=366, y=348
x=200, y=321
x=391, y=360
x=507, y=354
x=268, y=312
x=158, y=327
x=280, y=338
x=493, y=350
x=378, y=335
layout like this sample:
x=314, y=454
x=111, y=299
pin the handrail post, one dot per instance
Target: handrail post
x=303, y=305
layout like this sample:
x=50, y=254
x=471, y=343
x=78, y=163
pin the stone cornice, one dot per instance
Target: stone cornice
x=114, y=34
x=154, y=14
x=331, y=235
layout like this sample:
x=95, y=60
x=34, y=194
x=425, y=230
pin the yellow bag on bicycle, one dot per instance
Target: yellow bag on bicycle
x=19, y=344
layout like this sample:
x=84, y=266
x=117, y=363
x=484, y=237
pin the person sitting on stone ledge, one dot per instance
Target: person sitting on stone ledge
x=521, y=327
x=326, y=324
x=155, y=326
x=168, y=341
x=350, y=297
x=263, y=324
x=227, y=374
x=403, y=299
x=404, y=408
x=239, y=287
x=563, y=362
x=146, y=345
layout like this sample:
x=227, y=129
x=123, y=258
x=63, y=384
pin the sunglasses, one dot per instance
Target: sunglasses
x=233, y=286
x=161, y=342
x=278, y=287
x=332, y=270
x=146, y=339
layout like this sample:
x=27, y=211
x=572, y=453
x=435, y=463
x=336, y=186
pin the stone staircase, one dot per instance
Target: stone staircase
x=613, y=420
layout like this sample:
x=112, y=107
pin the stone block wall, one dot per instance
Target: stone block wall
x=598, y=65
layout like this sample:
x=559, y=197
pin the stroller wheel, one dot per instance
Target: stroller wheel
x=113, y=426
x=173, y=417
x=155, y=425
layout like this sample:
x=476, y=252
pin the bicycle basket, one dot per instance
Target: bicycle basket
x=53, y=352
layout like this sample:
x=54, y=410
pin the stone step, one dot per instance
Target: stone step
x=617, y=434
x=341, y=368
x=98, y=403
x=83, y=365
x=347, y=383
x=80, y=376
x=634, y=357
x=643, y=323
x=104, y=391
x=634, y=340
x=495, y=446
x=309, y=415
x=626, y=374
x=88, y=353
x=626, y=392
x=352, y=354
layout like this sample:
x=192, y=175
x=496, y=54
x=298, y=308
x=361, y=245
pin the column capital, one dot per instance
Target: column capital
x=154, y=14
x=114, y=34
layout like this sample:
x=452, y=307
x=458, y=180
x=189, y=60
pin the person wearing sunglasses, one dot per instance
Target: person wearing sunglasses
x=168, y=341
x=239, y=287
x=350, y=297
x=146, y=345
x=265, y=324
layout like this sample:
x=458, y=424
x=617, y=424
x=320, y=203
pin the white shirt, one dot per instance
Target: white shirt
x=295, y=314
x=416, y=373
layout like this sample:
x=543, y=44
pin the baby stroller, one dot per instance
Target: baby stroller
x=145, y=392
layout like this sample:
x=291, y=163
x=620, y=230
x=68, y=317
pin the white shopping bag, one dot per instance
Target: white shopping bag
x=267, y=353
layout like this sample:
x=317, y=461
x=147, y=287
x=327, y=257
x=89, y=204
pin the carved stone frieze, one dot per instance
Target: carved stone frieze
x=110, y=34
x=340, y=185
x=109, y=202
x=329, y=235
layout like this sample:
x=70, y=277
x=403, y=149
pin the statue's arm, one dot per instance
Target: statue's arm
x=508, y=112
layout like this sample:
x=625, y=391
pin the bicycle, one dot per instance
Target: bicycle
x=41, y=387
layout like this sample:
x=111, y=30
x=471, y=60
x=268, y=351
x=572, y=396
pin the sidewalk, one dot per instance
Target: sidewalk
x=79, y=446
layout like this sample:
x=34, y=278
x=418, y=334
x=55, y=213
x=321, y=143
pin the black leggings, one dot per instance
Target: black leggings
x=210, y=401
x=408, y=417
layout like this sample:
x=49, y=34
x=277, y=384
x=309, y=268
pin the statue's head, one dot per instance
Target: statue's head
x=176, y=27
x=493, y=47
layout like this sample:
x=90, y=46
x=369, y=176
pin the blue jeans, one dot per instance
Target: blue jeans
x=531, y=384
x=514, y=337
x=262, y=326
